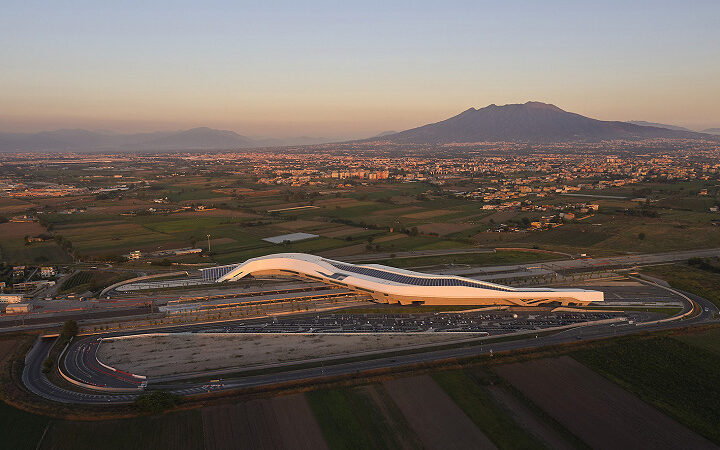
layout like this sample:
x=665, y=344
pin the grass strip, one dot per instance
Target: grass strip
x=492, y=419
x=350, y=420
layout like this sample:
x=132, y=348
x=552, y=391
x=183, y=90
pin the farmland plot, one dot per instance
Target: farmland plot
x=597, y=411
x=438, y=422
x=281, y=422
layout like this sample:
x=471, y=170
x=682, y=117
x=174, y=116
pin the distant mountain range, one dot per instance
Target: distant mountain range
x=528, y=122
x=79, y=140
x=658, y=125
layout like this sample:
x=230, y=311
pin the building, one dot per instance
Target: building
x=137, y=254
x=391, y=285
x=11, y=298
x=18, y=308
x=30, y=286
x=47, y=272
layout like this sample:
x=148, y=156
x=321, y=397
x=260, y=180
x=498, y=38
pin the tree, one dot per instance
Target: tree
x=156, y=402
x=641, y=236
x=70, y=328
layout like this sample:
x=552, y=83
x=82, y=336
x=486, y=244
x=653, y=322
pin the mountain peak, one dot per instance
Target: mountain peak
x=541, y=105
x=532, y=121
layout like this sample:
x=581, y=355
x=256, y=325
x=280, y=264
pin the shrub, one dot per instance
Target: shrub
x=70, y=328
x=156, y=402
x=48, y=365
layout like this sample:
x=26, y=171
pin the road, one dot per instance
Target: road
x=590, y=264
x=82, y=365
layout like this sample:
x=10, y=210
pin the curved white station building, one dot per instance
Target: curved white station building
x=391, y=285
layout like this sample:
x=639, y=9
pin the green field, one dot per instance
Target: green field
x=16, y=252
x=350, y=420
x=708, y=340
x=467, y=390
x=495, y=258
x=678, y=378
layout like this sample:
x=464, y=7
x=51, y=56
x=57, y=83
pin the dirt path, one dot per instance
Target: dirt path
x=528, y=420
x=278, y=423
x=438, y=422
x=596, y=410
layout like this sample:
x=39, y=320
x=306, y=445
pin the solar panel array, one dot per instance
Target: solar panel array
x=213, y=273
x=412, y=280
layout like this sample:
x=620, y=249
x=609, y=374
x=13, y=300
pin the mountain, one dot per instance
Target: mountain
x=715, y=131
x=658, y=125
x=529, y=122
x=83, y=140
x=384, y=133
x=202, y=138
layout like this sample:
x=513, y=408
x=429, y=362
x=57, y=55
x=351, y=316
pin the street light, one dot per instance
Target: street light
x=208, y=236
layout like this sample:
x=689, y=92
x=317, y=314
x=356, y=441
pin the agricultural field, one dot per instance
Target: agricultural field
x=498, y=257
x=433, y=416
x=12, y=420
x=590, y=406
x=15, y=250
x=349, y=419
x=677, y=377
x=279, y=422
x=180, y=430
x=467, y=391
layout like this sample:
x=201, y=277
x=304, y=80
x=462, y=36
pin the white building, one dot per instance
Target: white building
x=391, y=285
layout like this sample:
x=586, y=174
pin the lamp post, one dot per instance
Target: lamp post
x=208, y=237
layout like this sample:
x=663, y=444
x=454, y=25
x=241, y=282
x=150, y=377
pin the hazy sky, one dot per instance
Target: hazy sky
x=350, y=68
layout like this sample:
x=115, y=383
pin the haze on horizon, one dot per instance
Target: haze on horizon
x=350, y=69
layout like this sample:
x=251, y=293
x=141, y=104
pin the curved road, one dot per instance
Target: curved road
x=81, y=363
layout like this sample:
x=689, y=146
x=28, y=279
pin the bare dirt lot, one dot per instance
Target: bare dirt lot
x=596, y=410
x=438, y=422
x=340, y=232
x=396, y=211
x=428, y=214
x=215, y=213
x=167, y=354
x=280, y=422
x=301, y=224
x=355, y=249
x=391, y=237
x=10, y=230
x=443, y=228
x=11, y=205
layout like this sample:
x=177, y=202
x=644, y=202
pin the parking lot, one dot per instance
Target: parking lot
x=492, y=323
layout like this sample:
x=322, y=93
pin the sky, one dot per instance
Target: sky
x=345, y=69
